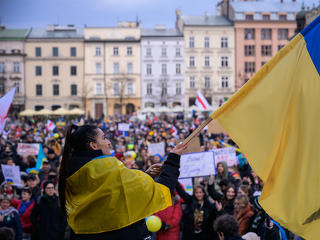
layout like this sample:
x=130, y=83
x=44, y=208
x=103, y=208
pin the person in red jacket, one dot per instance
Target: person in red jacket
x=170, y=218
x=24, y=208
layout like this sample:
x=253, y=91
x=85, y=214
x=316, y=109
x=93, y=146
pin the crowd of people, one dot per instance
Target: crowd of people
x=222, y=206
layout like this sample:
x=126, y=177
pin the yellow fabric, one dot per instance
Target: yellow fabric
x=104, y=195
x=274, y=119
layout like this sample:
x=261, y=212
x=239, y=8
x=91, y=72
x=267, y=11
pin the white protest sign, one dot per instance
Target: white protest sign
x=11, y=174
x=187, y=183
x=197, y=164
x=28, y=149
x=156, y=148
x=125, y=127
x=227, y=155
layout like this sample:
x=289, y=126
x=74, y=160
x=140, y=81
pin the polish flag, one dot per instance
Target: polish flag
x=202, y=102
x=5, y=104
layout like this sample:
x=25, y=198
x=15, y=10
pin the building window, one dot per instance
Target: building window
x=38, y=51
x=224, y=61
x=98, y=68
x=55, y=107
x=149, y=69
x=17, y=86
x=249, y=67
x=249, y=33
x=129, y=68
x=280, y=47
x=178, y=68
x=74, y=90
x=164, y=90
x=163, y=52
x=283, y=17
x=224, y=82
x=266, y=50
x=283, y=34
x=148, y=52
x=178, y=52
x=98, y=51
x=206, y=42
x=38, y=90
x=55, y=70
x=2, y=67
x=224, y=42
x=249, y=17
x=55, y=52
x=207, y=61
x=116, y=68
x=266, y=17
x=16, y=67
x=73, y=70
x=129, y=51
x=192, y=83
x=207, y=82
x=266, y=33
x=130, y=88
x=164, y=69
x=249, y=50
x=115, y=51
x=38, y=70
x=191, y=42
x=191, y=61
x=149, y=88
x=99, y=88
x=116, y=88
x=178, y=88
x=38, y=107
x=73, y=52
x=55, y=89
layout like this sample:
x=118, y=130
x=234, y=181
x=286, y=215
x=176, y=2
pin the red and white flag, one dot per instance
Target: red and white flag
x=50, y=126
x=5, y=104
x=202, y=102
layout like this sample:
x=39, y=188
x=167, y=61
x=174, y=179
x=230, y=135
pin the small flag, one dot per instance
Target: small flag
x=202, y=102
x=50, y=126
x=5, y=104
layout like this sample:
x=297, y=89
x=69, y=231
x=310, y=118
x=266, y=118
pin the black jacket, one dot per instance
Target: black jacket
x=138, y=230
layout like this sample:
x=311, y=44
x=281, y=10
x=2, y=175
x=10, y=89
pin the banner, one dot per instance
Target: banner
x=123, y=127
x=11, y=174
x=5, y=104
x=26, y=149
x=197, y=164
x=227, y=155
x=156, y=148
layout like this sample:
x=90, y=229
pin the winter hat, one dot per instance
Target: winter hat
x=46, y=183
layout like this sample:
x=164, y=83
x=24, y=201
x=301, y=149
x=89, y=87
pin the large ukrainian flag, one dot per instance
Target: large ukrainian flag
x=275, y=118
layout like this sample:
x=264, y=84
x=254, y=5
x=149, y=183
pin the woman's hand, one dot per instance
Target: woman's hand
x=154, y=170
x=218, y=206
x=179, y=149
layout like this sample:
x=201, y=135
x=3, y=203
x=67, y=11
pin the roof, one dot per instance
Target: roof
x=13, y=34
x=266, y=6
x=206, y=21
x=60, y=34
x=154, y=32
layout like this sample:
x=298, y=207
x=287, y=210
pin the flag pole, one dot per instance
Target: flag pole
x=197, y=131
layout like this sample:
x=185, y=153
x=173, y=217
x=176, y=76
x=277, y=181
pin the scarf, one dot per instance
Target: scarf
x=23, y=207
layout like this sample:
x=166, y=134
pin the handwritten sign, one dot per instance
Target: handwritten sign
x=11, y=174
x=197, y=164
x=124, y=127
x=156, y=148
x=227, y=155
x=26, y=149
x=187, y=183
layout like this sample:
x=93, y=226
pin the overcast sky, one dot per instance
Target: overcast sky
x=39, y=13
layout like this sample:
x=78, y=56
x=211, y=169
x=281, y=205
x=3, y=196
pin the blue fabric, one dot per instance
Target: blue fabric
x=23, y=207
x=311, y=36
x=282, y=232
x=41, y=157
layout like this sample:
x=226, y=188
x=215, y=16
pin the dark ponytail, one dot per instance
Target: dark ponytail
x=77, y=139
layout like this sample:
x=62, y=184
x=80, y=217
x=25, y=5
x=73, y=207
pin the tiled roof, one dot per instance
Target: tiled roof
x=13, y=34
x=266, y=6
x=206, y=20
x=42, y=33
x=152, y=32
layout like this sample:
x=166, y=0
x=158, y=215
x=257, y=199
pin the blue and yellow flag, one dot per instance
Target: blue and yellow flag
x=274, y=118
x=41, y=157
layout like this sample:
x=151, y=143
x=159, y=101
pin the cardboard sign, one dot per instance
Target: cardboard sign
x=124, y=127
x=187, y=183
x=26, y=149
x=156, y=148
x=227, y=155
x=11, y=174
x=197, y=164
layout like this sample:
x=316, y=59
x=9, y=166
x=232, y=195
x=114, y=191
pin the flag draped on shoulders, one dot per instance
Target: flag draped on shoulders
x=104, y=195
x=274, y=119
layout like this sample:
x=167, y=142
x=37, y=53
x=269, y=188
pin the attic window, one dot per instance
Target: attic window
x=249, y=17
x=282, y=17
x=266, y=17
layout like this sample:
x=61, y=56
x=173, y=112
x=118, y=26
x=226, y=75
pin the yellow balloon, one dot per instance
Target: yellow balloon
x=56, y=135
x=153, y=223
x=133, y=154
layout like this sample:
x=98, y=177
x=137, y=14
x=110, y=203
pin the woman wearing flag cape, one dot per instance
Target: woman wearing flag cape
x=103, y=199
